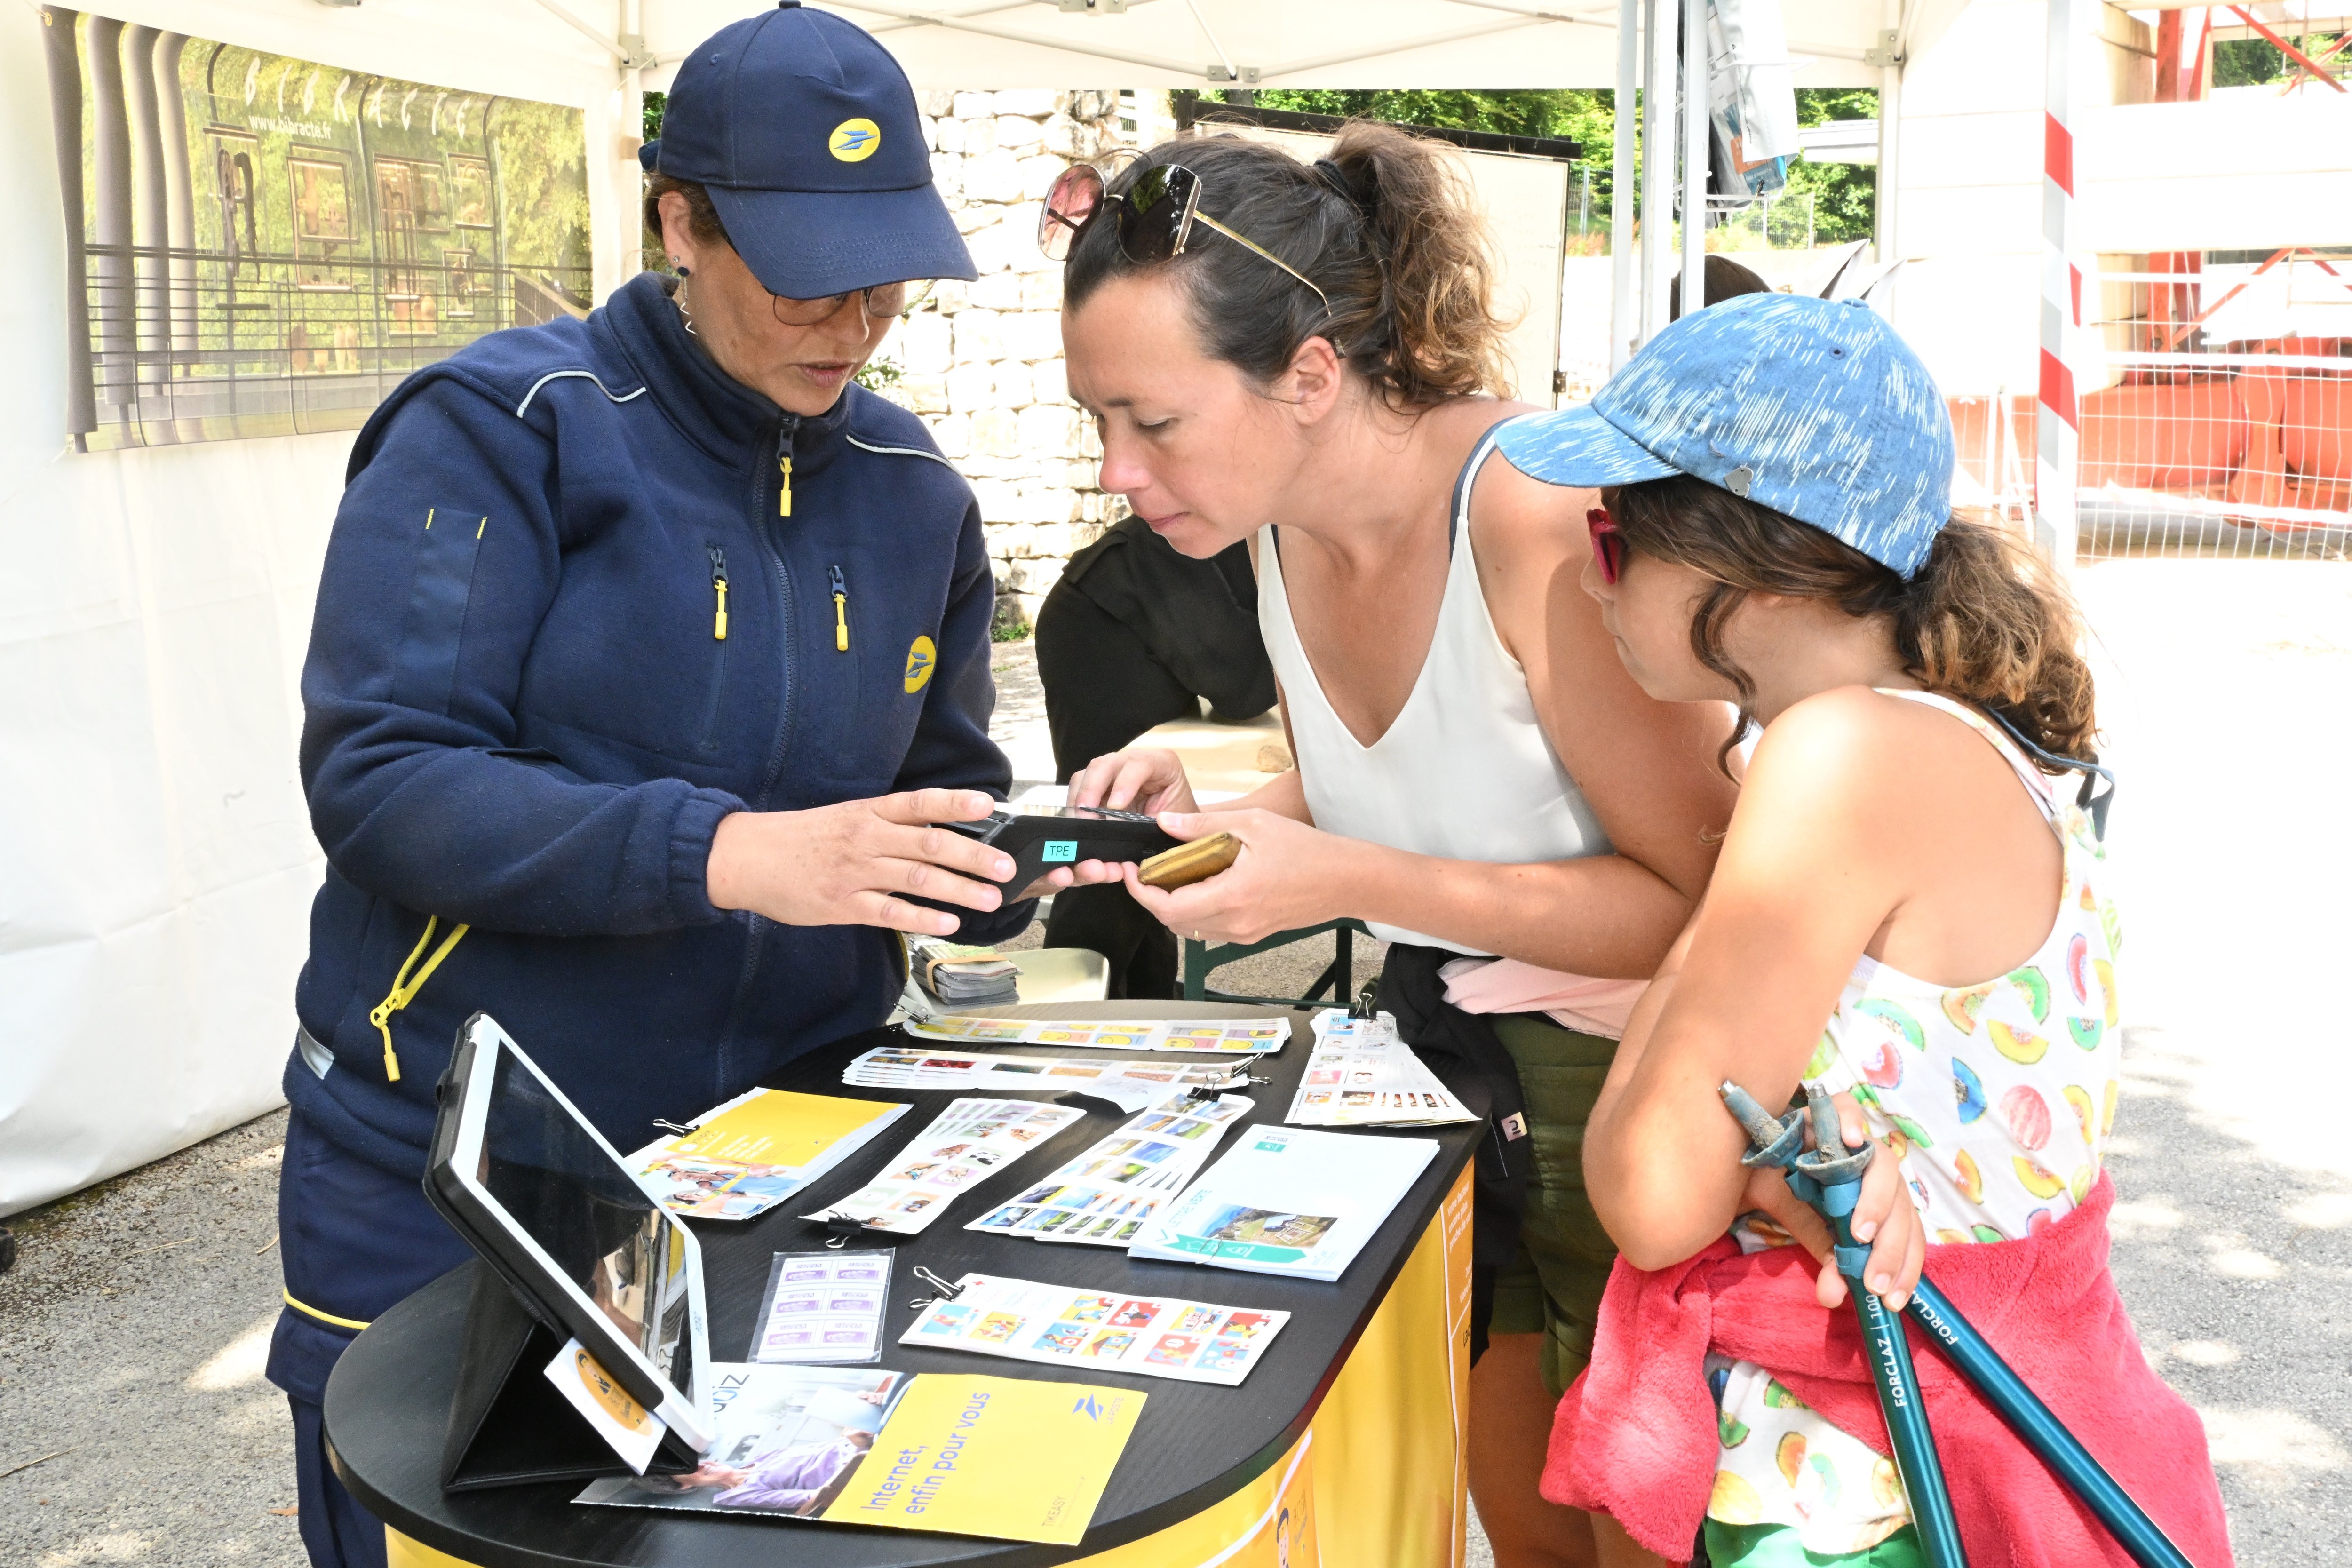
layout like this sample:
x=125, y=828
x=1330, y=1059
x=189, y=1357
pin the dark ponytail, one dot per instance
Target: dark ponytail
x=1387, y=228
x=1985, y=620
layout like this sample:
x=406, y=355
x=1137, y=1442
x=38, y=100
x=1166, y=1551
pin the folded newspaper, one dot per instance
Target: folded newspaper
x=1361, y=1074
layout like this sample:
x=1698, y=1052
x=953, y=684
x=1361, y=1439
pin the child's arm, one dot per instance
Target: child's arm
x=1812, y=868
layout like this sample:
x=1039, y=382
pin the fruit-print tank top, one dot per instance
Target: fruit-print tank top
x=1997, y=1099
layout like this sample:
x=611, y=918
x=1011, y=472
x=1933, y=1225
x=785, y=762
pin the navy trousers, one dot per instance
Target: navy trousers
x=356, y=1238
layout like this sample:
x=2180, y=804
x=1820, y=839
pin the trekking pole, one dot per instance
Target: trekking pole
x=2040, y=1430
x=2036, y=1426
x=1829, y=1177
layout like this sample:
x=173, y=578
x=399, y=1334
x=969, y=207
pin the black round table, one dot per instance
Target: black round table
x=387, y=1404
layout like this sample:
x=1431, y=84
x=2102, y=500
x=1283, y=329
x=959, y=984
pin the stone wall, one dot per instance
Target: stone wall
x=981, y=362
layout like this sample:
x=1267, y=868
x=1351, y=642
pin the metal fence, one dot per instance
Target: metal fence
x=2220, y=418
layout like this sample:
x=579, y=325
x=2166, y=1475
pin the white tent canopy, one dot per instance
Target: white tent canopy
x=154, y=885
x=1258, y=43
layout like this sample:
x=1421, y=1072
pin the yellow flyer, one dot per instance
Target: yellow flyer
x=993, y=1457
x=776, y=1127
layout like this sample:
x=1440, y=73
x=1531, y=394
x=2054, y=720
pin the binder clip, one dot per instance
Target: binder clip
x=940, y=1290
x=842, y=1227
x=673, y=1126
x=1366, y=1005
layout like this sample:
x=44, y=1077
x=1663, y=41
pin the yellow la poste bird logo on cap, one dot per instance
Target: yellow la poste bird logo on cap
x=921, y=655
x=855, y=140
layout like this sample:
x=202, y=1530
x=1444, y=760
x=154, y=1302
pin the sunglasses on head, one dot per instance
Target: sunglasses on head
x=1153, y=217
x=1608, y=545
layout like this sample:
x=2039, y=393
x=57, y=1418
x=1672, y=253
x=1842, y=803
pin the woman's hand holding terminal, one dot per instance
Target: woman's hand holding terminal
x=863, y=862
x=1287, y=876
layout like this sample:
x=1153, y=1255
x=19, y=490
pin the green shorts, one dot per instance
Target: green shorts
x=1553, y=1287
x=1778, y=1546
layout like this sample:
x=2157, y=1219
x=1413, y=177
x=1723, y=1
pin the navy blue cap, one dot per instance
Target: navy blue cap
x=805, y=132
x=1814, y=408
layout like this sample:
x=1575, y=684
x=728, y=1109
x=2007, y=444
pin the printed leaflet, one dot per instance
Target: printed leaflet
x=938, y=1451
x=1104, y=1195
x=750, y=1154
x=965, y=1143
x=1059, y=1326
x=1288, y=1202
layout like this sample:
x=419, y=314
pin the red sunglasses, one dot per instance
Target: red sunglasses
x=1608, y=545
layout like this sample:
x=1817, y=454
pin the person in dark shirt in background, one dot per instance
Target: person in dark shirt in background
x=1134, y=635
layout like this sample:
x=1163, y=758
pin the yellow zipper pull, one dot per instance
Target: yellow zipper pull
x=840, y=612
x=783, y=484
x=404, y=990
x=719, y=586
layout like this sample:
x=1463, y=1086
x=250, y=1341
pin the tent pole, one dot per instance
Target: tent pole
x=2057, y=428
x=1889, y=194
x=1696, y=127
x=1624, y=302
x=1661, y=21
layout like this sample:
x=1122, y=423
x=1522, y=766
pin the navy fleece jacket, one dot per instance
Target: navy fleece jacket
x=520, y=714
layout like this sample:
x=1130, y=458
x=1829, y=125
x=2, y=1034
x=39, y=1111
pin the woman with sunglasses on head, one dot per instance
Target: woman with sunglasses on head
x=1305, y=357
x=1910, y=913
x=648, y=650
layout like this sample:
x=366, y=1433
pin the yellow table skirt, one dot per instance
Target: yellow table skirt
x=1379, y=1476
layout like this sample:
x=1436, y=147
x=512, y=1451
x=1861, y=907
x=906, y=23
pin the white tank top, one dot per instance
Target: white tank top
x=1465, y=773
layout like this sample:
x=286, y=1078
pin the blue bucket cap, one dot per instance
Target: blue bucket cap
x=805, y=132
x=1815, y=408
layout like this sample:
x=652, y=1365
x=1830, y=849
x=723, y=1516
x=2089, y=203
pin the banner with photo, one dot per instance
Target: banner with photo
x=263, y=246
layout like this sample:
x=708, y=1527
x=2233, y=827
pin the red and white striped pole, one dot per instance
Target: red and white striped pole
x=2058, y=421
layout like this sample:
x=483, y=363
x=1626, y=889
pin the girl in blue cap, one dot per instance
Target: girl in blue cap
x=1909, y=911
x=1306, y=356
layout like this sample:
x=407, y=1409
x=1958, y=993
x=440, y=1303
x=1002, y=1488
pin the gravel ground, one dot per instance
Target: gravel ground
x=135, y=1324
x=133, y=1331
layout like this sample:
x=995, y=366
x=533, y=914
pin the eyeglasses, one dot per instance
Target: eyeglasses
x=1608, y=545
x=1154, y=217
x=880, y=301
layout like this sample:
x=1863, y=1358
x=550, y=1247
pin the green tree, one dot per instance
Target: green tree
x=2252, y=62
x=1582, y=115
x=1845, y=196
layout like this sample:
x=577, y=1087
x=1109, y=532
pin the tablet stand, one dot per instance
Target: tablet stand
x=507, y=1425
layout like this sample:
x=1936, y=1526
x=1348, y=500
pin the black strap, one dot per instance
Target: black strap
x=2093, y=774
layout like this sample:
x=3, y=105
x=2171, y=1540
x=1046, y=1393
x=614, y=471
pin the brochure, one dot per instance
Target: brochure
x=1103, y=1197
x=964, y=1144
x=825, y=1307
x=1226, y=1036
x=936, y=1451
x=1361, y=1074
x=1130, y=1085
x=1288, y=1202
x=750, y=1154
x=1147, y=1335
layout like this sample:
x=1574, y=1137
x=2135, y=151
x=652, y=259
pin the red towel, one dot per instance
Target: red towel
x=1636, y=1438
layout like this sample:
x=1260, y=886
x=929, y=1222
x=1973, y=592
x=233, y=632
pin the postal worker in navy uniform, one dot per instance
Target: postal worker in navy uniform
x=646, y=647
